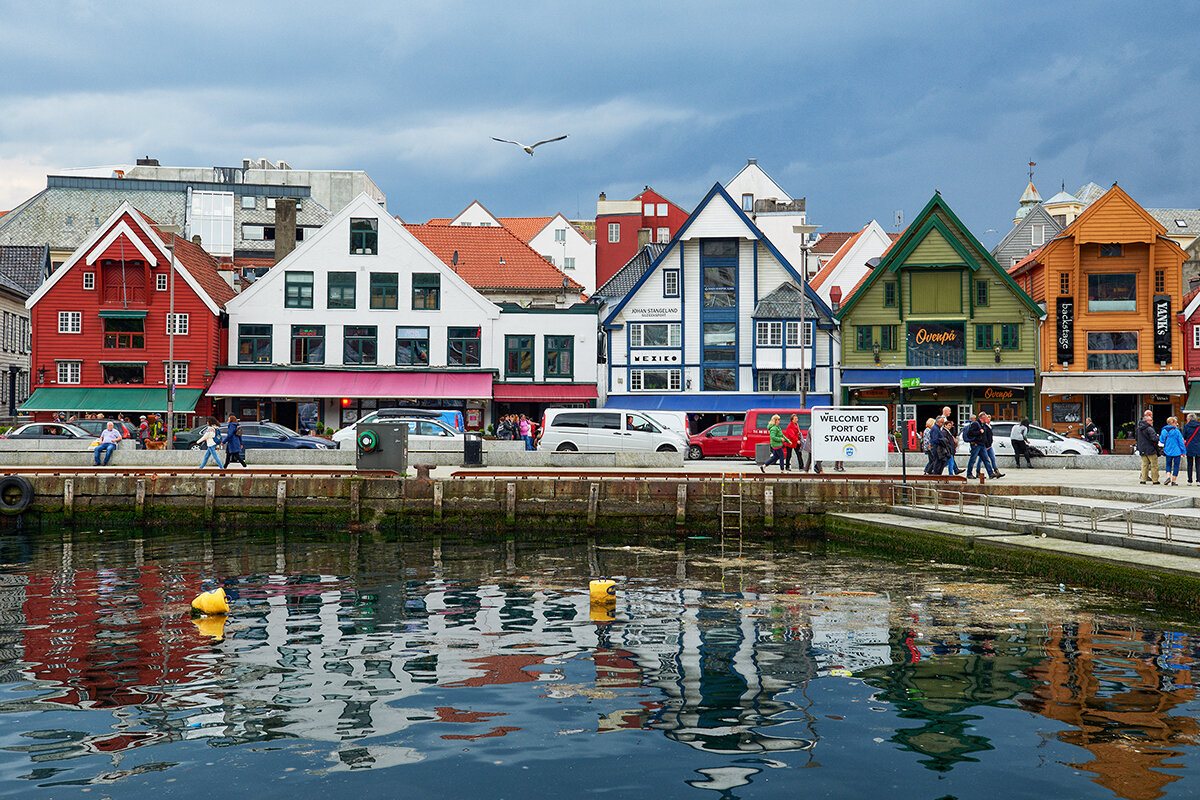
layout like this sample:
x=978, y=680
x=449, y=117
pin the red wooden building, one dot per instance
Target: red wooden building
x=101, y=338
x=619, y=223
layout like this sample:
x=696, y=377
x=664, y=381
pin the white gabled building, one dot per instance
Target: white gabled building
x=714, y=324
x=362, y=315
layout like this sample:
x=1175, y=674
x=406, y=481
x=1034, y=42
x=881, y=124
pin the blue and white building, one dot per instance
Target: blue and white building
x=716, y=323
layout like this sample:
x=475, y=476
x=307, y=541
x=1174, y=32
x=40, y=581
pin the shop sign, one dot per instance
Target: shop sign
x=934, y=344
x=1162, y=328
x=849, y=433
x=657, y=312
x=875, y=394
x=1065, y=330
x=307, y=331
x=995, y=394
x=643, y=357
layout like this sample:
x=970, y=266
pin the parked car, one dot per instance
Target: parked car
x=95, y=426
x=1048, y=442
x=606, y=431
x=256, y=436
x=447, y=424
x=48, y=430
x=722, y=439
x=754, y=430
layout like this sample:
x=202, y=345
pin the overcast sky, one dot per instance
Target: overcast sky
x=864, y=108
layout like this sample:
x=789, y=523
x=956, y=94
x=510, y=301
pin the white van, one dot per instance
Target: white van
x=675, y=420
x=591, y=430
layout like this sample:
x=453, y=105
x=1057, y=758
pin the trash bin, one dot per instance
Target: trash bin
x=472, y=450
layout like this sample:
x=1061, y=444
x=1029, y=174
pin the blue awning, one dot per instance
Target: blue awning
x=939, y=376
x=710, y=402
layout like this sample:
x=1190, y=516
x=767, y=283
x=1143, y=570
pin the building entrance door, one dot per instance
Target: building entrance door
x=285, y=415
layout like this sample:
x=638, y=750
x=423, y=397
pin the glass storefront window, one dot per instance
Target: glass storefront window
x=1115, y=291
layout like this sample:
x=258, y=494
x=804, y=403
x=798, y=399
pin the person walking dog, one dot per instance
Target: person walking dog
x=1147, y=445
x=1191, y=444
x=210, y=439
x=1173, y=447
x=234, y=449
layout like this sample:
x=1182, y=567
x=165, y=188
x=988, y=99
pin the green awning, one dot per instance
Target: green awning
x=1193, y=400
x=122, y=314
x=123, y=399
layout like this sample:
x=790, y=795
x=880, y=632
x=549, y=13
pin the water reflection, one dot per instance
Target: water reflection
x=362, y=656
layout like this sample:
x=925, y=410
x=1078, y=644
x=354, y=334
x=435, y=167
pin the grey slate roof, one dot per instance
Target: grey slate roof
x=624, y=279
x=1170, y=217
x=1089, y=193
x=23, y=267
x=1018, y=243
x=784, y=303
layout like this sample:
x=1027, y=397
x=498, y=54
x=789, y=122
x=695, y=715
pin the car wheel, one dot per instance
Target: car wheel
x=695, y=453
x=567, y=447
x=666, y=448
x=195, y=446
x=1071, y=453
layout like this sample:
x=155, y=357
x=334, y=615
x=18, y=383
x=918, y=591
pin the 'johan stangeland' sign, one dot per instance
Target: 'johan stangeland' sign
x=1162, y=328
x=1065, y=330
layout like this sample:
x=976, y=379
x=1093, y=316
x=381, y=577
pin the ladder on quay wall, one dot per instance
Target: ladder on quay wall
x=731, y=502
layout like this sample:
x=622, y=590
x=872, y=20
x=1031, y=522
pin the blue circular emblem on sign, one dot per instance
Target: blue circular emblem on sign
x=848, y=451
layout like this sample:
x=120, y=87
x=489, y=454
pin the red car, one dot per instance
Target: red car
x=722, y=439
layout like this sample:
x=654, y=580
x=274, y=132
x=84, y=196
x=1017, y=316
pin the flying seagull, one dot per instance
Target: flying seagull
x=528, y=148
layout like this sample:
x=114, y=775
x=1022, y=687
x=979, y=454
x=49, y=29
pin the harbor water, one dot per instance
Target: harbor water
x=384, y=666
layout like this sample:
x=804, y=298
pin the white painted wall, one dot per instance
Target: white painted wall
x=871, y=243
x=475, y=214
x=575, y=245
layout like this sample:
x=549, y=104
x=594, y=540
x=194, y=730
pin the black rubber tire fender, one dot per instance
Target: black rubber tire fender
x=16, y=494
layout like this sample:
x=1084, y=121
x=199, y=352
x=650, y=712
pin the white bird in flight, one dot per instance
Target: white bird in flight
x=528, y=148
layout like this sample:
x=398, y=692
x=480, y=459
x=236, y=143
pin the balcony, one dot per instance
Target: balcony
x=121, y=295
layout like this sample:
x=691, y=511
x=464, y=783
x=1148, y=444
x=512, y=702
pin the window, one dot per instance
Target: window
x=654, y=334
x=782, y=381
x=298, y=290
x=385, y=290
x=887, y=337
x=662, y=209
x=462, y=347
x=648, y=209
x=747, y=202
x=1196, y=336
x=719, y=287
x=359, y=344
x=518, y=356
x=1112, y=350
x=70, y=322
x=768, y=334
x=720, y=341
x=308, y=344
x=124, y=334
x=271, y=203
x=654, y=380
x=560, y=356
x=364, y=236
x=614, y=232
x=793, y=334
x=1110, y=251
x=1112, y=291
x=664, y=235
x=1160, y=281
x=864, y=337
x=89, y=280
x=560, y=234
x=181, y=372
x=889, y=294
x=254, y=233
x=68, y=371
x=427, y=290
x=719, y=379
x=983, y=337
x=249, y=201
x=179, y=322
x=254, y=344
x=1064, y=283
x=1010, y=336
x=569, y=262
x=670, y=283
x=412, y=347
x=124, y=373
x=1037, y=235
x=981, y=293
x=340, y=287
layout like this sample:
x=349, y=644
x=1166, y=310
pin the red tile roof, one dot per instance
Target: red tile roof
x=823, y=274
x=480, y=251
x=525, y=228
x=199, y=264
x=1025, y=263
x=437, y=221
x=830, y=243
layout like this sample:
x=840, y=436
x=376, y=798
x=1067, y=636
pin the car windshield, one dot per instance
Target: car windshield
x=274, y=427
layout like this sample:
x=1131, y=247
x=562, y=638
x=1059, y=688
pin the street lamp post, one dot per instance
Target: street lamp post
x=804, y=231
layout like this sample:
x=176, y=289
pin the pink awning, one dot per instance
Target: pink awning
x=303, y=383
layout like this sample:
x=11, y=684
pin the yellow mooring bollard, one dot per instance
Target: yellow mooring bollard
x=603, y=591
x=213, y=602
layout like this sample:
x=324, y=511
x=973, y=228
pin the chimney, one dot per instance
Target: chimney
x=643, y=237
x=285, y=227
x=603, y=197
x=196, y=240
x=147, y=162
x=751, y=162
x=835, y=297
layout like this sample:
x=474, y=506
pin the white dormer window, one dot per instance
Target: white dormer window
x=1037, y=235
x=649, y=210
x=747, y=202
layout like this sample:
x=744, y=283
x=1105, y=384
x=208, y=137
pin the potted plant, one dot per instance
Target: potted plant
x=1126, y=438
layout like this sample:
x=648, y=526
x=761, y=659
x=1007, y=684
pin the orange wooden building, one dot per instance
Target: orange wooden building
x=1111, y=284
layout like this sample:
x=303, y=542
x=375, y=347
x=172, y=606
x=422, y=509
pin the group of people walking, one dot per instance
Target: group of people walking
x=789, y=440
x=940, y=443
x=1173, y=443
x=212, y=438
x=517, y=426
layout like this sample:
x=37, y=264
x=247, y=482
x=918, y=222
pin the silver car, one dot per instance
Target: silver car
x=1048, y=442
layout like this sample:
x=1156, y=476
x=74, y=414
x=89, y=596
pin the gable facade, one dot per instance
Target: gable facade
x=1032, y=231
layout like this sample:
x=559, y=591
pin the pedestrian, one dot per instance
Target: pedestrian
x=776, y=435
x=1019, y=444
x=990, y=452
x=979, y=435
x=1173, y=447
x=1092, y=434
x=1147, y=447
x=948, y=428
x=108, y=444
x=927, y=439
x=791, y=444
x=234, y=451
x=524, y=430
x=1191, y=444
x=210, y=439
x=143, y=432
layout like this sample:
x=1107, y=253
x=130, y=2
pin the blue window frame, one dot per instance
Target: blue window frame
x=718, y=315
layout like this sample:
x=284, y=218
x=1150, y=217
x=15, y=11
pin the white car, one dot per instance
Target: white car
x=422, y=432
x=1048, y=442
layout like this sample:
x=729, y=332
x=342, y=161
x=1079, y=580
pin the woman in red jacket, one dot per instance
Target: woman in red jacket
x=791, y=444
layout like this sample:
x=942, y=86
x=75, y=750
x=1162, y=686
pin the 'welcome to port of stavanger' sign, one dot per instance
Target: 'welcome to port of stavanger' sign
x=849, y=433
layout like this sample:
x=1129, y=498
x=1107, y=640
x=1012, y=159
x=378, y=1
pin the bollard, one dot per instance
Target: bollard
x=510, y=510
x=437, y=500
x=280, y=501
x=210, y=499
x=141, y=498
x=769, y=508
x=680, y=504
x=69, y=498
x=593, y=503
x=355, y=500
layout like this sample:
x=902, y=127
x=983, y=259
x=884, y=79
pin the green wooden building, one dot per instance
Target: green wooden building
x=939, y=309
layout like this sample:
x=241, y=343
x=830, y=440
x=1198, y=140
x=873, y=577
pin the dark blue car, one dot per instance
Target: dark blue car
x=257, y=436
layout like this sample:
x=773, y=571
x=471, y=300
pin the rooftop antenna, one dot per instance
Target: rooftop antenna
x=899, y=219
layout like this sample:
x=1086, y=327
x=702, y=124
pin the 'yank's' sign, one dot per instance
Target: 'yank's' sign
x=1162, y=328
